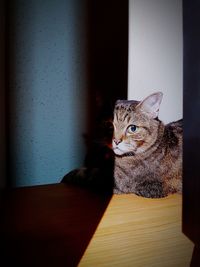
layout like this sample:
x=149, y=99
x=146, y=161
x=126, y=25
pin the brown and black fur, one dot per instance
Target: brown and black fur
x=147, y=161
x=153, y=166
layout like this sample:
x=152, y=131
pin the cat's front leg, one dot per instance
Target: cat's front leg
x=117, y=191
x=150, y=189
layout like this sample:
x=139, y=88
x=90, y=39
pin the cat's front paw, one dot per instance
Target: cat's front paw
x=76, y=176
x=117, y=191
x=150, y=189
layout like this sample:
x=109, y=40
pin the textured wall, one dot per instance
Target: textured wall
x=156, y=53
x=47, y=89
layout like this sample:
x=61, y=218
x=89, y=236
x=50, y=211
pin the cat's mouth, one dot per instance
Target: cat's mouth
x=122, y=148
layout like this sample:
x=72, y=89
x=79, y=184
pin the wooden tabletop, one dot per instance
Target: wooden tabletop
x=61, y=225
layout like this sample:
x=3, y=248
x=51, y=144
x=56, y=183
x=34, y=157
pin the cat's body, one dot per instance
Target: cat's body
x=148, y=154
x=155, y=173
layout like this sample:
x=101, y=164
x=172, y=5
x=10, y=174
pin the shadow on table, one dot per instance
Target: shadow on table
x=49, y=225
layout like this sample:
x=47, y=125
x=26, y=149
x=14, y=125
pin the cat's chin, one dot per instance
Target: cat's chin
x=118, y=151
x=121, y=153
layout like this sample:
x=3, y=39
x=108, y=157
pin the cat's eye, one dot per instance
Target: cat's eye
x=132, y=128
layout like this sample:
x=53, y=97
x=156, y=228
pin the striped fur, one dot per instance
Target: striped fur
x=147, y=158
x=148, y=161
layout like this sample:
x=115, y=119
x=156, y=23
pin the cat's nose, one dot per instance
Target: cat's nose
x=117, y=141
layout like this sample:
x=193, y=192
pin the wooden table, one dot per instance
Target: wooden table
x=61, y=225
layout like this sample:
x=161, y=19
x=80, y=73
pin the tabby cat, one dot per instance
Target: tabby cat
x=147, y=153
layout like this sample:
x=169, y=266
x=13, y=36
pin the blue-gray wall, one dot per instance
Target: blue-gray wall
x=48, y=89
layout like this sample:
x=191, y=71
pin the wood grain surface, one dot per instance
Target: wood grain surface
x=135, y=231
x=61, y=225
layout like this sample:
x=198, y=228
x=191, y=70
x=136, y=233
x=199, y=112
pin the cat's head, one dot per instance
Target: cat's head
x=136, y=125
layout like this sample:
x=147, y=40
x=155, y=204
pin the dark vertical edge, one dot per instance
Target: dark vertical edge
x=2, y=96
x=107, y=54
x=191, y=111
x=7, y=97
x=108, y=57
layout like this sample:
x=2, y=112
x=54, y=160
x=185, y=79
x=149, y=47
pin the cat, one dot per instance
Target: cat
x=147, y=155
x=148, y=159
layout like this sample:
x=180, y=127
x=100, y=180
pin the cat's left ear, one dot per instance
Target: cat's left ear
x=151, y=104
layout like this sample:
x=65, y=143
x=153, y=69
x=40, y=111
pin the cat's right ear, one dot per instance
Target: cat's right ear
x=151, y=104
